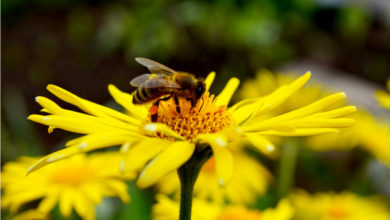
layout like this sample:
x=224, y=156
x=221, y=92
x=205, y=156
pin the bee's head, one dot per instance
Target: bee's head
x=200, y=88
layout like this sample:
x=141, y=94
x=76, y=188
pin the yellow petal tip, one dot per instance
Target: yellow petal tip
x=30, y=169
x=122, y=166
x=54, y=158
x=50, y=86
x=152, y=127
x=221, y=142
x=83, y=145
x=270, y=148
x=221, y=182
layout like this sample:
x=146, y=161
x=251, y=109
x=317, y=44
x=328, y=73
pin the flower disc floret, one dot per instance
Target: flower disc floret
x=204, y=118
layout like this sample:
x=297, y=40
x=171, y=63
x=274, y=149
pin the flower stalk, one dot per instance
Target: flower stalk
x=287, y=166
x=188, y=173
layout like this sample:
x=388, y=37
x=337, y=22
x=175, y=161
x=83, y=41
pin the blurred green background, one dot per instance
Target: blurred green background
x=83, y=46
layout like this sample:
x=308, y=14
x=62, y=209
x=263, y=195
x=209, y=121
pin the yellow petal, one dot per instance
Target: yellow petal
x=119, y=188
x=227, y=93
x=58, y=155
x=322, y=123
x=258, y=124
x=83, y=207
x=48, y=105
x=277, y=97
x=91, y=192
x=335, y=113
x=75, y=125
x=65, y=203
x=19, y=198
x=245, y=110
x=262, y=144
x=151, y=129
x=383, y=98
x=143, y=152
x=224, y=164
x=126, y=100
x=49, y=202
x=105, y=139
x=300, y=132
x=209, y=80
x=88, y=106
x=90, y=142
x=126, y=147
x=32, y=214
x=169, y=160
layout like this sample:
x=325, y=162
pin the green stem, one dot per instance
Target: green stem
x=188, y=173
x=287, y=167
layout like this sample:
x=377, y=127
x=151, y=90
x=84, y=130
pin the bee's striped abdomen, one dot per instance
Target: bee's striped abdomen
x=139, y=96
x=143, y=95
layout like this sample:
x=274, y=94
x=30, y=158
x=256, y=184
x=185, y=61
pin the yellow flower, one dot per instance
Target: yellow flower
x=266, y=82
x=383, y=97
x=369, y=133
x=159, y=148
x=166, y=208
x=250, y=179
x=79, y=182
x=343, y=206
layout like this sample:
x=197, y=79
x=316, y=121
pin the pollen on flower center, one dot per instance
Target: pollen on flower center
x=205, y=117
x=73, y=175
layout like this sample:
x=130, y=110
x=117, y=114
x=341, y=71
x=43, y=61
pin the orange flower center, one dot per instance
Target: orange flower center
x=204, y=117
x=74, y=174
x=239, y=213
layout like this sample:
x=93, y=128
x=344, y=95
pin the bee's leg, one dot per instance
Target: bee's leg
x=177, y=104
x=192, y=102
x=154, y=111
x=202, y=104
x=165, y=99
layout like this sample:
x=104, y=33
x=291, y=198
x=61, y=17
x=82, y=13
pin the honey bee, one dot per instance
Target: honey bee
x=164, y=83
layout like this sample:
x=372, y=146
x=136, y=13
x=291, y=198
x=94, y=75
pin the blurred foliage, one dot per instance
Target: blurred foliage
x=85, y=45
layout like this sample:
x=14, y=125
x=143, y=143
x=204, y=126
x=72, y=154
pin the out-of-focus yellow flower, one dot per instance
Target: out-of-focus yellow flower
x=383, y=97
x=266, y=82
x=369, y=133
x=249, y=180
x=159, y=148
x=79, y=182
x=166, y=208
x=332, y=206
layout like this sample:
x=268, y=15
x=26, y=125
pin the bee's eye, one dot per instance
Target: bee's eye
x=200, y=88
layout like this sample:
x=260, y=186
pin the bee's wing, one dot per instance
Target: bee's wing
x=161, y=81
x=139, y=80
x=154, y=81
x=155, y=67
